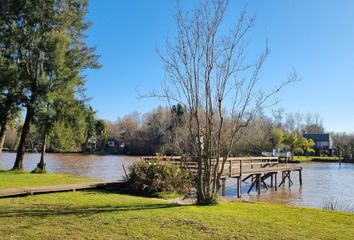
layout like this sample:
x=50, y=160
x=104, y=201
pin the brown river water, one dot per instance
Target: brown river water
x=321, y=181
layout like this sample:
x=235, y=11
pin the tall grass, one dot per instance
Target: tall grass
x=337, y=205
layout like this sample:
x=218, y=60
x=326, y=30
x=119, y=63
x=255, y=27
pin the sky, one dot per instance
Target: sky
x=316, y=38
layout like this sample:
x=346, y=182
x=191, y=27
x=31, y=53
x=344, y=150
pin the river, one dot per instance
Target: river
x=105, y=167
x=321, y=181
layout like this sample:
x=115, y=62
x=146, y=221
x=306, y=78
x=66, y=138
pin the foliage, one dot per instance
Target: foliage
x=297, y=142
x=312, y=158
x=278, y=136
x=161, y=130
x=307, y=145
x=67, y=138
x=39, y=170
x=156, y=176
x=298, y=151
x=44, y=40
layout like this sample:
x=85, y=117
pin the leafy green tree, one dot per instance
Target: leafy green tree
x=35, y=27
x=307, y=145
x=70, y=128
x=293, y=141
x=101, y=131
x=10, y=88
x=298, y=151
x=90, y=143
x=278, y=137
x=59, y=91
x=296, y=142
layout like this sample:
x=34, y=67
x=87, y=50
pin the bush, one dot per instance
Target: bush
x=156, y=176
x=298, y=151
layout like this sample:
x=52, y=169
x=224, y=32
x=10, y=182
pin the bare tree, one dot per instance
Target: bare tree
x=258, y=135
x=207, y=74
x=313, y=123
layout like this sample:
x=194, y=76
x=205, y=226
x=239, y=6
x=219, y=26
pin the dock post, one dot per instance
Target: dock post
x=289, y=172
x=239, y=187
x=271, y=180
x=259, y=183
x=300, y=177
x=275, y=181
x=223, y=186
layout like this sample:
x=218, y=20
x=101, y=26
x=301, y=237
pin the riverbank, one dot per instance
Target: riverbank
x=104, y=215
x=302, y=159
x=111, y=215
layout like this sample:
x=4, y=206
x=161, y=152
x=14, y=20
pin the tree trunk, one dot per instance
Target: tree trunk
x=23, y=140
x=4, y=121
x=41, y=164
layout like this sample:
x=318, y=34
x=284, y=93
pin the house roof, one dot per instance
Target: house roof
x=318, y=136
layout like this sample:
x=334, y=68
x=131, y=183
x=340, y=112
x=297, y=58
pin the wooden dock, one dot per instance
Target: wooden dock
x=257, y=170
x=25, y=191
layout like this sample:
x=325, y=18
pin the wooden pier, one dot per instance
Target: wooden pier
x=257, y=170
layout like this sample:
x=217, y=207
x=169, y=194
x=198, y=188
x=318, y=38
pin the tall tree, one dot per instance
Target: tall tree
x=10, y=88
x=101, y=130
x=35, y=23
x=70, y=127
x=208, y=76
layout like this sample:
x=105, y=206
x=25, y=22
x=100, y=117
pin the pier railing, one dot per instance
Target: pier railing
x=232, y=166
x=254, y=169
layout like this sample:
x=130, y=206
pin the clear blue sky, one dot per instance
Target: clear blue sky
x=315, y=37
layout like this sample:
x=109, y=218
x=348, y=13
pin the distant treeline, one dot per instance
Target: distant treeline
x=162, y=130
x=81, y=133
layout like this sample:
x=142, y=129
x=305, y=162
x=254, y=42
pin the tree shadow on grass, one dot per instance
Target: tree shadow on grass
x=124, y=191
x=44, y=210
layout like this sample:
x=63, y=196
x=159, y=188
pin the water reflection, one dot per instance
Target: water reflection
x=106, y=167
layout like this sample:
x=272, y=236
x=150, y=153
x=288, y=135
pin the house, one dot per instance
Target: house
x=323, y=141
x=111, y=143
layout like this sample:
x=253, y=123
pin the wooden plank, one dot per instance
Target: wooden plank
x=14, y=192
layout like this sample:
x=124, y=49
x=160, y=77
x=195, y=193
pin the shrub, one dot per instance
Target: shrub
x=157, y=176
x=298, y=151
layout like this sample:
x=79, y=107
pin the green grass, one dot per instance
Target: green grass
x=107, y=215
x=14, y=179
x=310, y=158
x=167, y=195
x=103, y=215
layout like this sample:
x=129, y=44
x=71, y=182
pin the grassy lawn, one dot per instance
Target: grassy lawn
x=14, y=179
x=310, y=158
x=103, y=215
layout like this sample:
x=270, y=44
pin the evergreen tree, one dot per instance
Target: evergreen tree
x=45, y=34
